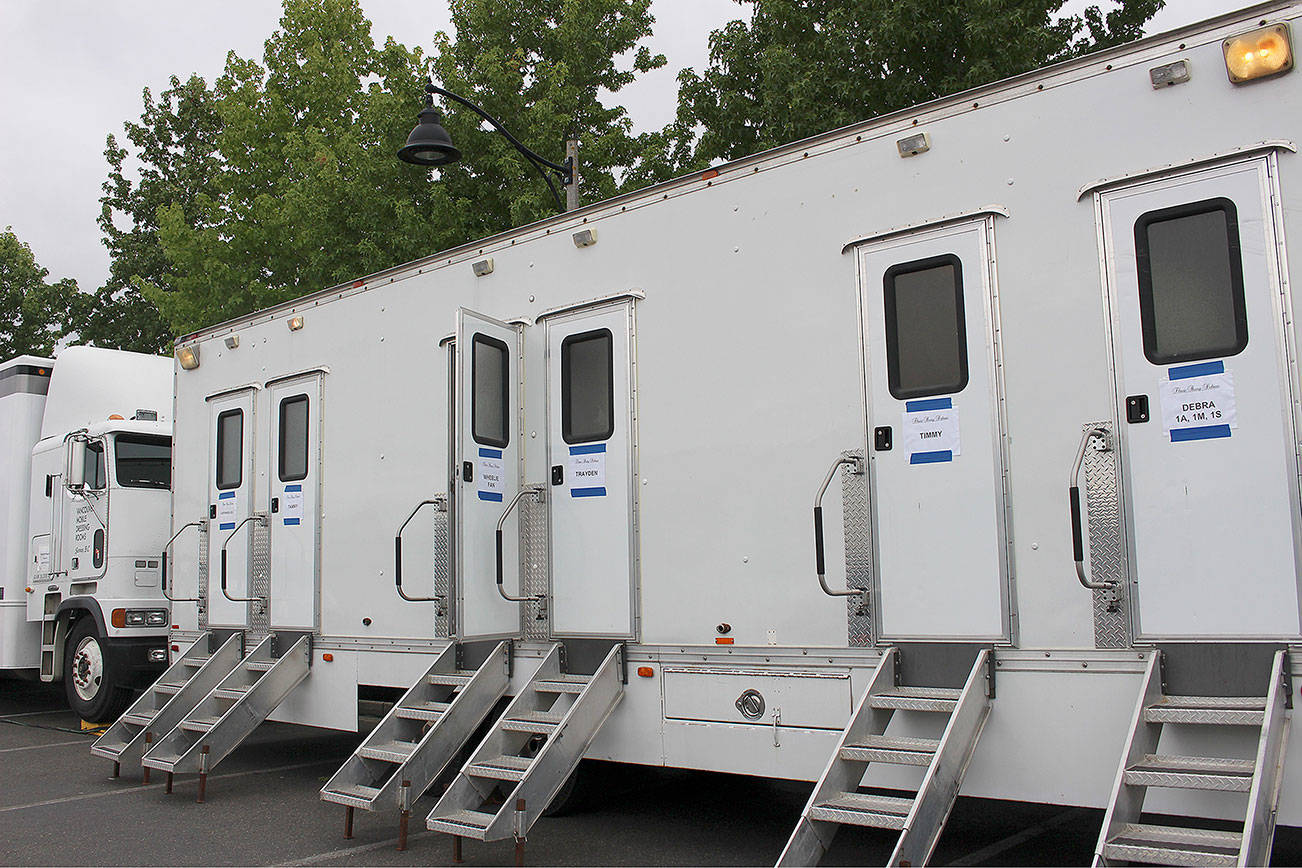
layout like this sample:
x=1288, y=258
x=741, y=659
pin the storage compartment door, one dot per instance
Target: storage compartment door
x=294, y=507
x=1203, y=398
x=936, y=454
x=591, y=443
x=230, y=501
x=488, y=472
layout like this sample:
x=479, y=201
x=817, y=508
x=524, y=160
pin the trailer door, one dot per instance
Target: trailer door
x=593, y=499
x=294, y=509
x=936, y=450
x=1204, y=404
x=230, y=501
x=488, y=472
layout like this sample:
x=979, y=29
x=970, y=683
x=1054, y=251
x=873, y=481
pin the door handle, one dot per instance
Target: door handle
x=558, y=474
x=275, y=504
x=1136, y=409
x=212, y=510
x=467, y=471
x=882, y=439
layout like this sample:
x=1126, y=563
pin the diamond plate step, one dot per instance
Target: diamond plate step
x=858, y=809
x=1167, y=845
x=111, y=750
x=355, y=795
x=1192, y=773
x=232, y=692
x=562, y=684
x=200, y=724
x=168, y=688
x=897, y=750
x=389, y=751
x=196, y=662
x=260, y=665
x=538, y=722
x=1208, y=710
x=502, y=768
x=422, y=710
x=468, y=824
x=140, y=718
x=450, y=679
x=940, y=699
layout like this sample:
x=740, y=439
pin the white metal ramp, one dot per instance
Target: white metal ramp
x=234, y=708
x=399, y=760
x=1125, y=838
x=533, y=748
x=191, y=677
x=836, y=799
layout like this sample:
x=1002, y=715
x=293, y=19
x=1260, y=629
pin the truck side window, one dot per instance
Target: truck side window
x=491, y=391
x=926, y=332
x=1191, y=282
x=230, y=449
x=587, y=387
x=96, y=469
x=293, y=438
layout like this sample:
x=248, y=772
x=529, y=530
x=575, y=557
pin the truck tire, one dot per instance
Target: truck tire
x=89, y=679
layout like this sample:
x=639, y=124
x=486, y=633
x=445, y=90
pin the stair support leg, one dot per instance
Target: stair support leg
x=520, y=820
x=348, y=823
x=404, y=814
x=203, y=774
x=149, y=739
x=117, y=772
x=168, y=790
x=456, y=850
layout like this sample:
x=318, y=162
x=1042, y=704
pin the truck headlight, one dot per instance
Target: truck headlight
x=144, y=618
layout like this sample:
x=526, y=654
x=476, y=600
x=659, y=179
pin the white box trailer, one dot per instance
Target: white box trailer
x=80, y=437
x=600, y=480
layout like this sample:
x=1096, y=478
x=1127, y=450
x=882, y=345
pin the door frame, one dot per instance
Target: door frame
x=1267, y=167
x=249, y=440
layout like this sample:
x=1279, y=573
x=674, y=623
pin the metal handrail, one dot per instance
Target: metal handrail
x=1073, y=496
x=163, y=583
x=254, y=517
x=818, y=528
x=526, y=489
x=438, y=500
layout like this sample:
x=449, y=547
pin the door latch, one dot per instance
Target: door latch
x=882, y=439
x=212, y=510
x=467, y=471
x=1136, y=409
x=558, y=474
x=275, y=504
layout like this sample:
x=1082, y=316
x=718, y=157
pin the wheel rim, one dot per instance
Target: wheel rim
x=87, y=668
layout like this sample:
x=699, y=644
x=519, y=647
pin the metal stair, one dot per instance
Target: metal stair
x=190, y=678
x=234, y=708
x=531, y=751
x=421, y=734
x=836, y=800
x=1124, y=838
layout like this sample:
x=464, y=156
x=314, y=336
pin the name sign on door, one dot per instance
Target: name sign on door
x=1198, y=402
x=490, y=474
x=931, y=431
x=588, y=470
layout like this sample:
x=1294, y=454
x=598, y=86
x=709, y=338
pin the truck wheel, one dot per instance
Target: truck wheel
x=89, y=679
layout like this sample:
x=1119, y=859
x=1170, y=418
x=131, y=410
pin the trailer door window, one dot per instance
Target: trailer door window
x=926, y=333
x=293, y=438
x=1191, y=282
x=587, y=387
x=490, y=402
x=230, y=449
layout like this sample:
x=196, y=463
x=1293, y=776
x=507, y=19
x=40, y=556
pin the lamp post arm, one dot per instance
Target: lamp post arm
x=565, y=172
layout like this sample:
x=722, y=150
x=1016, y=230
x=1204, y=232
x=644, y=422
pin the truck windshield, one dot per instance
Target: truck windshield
x=144, y=461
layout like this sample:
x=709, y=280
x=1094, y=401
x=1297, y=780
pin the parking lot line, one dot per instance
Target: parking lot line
x=126, y=792
x=351, y=851
x=976, y=857
x=39, y=746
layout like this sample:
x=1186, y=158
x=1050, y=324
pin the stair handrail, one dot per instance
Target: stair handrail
x=254, y=517
x=440, y=500
x=537, y=491
x=858, y=464
x=1073, y=497
x=167, y=547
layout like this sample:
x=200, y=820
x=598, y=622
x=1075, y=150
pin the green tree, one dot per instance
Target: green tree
x=801, y=67
x=541, y=67
x=33, y=312
x=174, y=145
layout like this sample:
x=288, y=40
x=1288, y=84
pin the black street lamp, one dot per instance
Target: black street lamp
x=430, y=145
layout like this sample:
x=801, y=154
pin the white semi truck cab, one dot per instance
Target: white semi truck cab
x=85, y=511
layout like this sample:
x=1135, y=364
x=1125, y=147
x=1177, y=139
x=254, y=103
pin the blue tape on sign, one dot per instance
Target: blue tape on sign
x=587, y=492
x=226, y=525
x=489, y=453
x=931, y=457
x=1206, y=432
x=588, y=449
x=491, y=495
x=226, y=495
x=291, y=521
x=1201, y=369
x=929, y=404
x=293, y=488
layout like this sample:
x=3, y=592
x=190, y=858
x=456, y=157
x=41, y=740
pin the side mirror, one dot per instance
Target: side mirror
x=76, y=464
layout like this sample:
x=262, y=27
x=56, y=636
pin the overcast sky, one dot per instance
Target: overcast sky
x=73, y=71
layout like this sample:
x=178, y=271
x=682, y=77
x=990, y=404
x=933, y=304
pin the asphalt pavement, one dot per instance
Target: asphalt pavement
x=58, y=806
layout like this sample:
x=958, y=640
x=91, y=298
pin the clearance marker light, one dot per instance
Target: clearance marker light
x=1258, y=54
x=645, y=671
x=723, y=640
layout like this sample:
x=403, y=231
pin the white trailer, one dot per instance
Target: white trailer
x=80, y=600
x=597, y=438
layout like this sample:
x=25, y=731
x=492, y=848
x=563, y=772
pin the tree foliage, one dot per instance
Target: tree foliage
x=33, y=312
x=801, y=67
